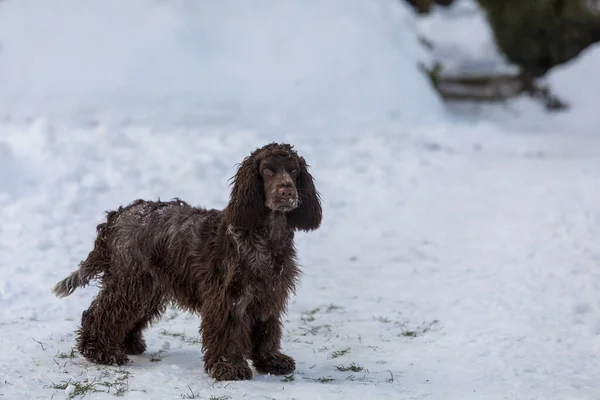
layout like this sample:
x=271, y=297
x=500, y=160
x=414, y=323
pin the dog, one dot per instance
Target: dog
x=235, y=268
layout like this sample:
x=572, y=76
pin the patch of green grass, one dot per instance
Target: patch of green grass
x=310, y=316
x=164, y=332
x=190, y=395
x=180, y=335
x=325, y=379
x=115, y=382
x=72, y=354
x=418, y=331
x=352, y=367
x=339, y=353
x=288, y=378
x=332, y=307
x=124, y=374
x=409, y=333
x=314, y=330
x=80, y=388
x=119, y=383
x=119, y=389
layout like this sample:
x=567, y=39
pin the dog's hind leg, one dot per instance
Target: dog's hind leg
x=103, y=328
x=134, y=342
x=107, y=323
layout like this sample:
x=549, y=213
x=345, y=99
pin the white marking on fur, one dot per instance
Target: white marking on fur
x=236, y=239
x=286, y=178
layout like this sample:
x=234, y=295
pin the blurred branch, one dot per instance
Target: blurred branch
x=424, y=6
x=491, y=87
x=482, y=87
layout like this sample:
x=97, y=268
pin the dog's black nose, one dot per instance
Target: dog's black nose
x=286, y=192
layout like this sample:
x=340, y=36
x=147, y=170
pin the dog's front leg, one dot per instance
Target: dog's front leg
x=266, y=355
x=226, y=340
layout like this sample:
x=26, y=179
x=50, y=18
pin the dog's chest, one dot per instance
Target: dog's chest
x=261, y=255
x=265, y=271
x=263, y=283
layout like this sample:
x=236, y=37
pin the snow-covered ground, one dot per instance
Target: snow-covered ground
x=458, y=258
x=183, y=62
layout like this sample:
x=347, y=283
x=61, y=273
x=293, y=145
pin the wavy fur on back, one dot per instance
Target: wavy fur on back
x=236, y=268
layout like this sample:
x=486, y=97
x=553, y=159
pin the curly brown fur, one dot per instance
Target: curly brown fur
x=235, y=267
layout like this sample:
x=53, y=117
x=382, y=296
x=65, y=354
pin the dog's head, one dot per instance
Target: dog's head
x=274, y=178
x=278, y=169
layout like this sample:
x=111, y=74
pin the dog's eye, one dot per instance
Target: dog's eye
x=267, y=172
x=294, y=171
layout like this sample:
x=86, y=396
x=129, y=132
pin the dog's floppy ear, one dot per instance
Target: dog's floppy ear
x=308, y=215
x=246, y=208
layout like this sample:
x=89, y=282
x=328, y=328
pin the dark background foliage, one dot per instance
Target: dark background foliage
x=537, y=34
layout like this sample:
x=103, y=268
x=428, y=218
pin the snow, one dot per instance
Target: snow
x=462, y=40
x=457, y=257
x=577, y=84
x=186, y=59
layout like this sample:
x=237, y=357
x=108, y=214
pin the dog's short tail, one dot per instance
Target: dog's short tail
x=69, y=284
x=96, y=262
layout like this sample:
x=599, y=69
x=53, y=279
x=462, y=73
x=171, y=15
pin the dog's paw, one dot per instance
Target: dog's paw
x=134, y=346
x=276, y=364
x=105, y=358
x=226, y=371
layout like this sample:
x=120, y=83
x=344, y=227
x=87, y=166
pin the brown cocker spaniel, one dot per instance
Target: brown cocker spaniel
x=235, y=267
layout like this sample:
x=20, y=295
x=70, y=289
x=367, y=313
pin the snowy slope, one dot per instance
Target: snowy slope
x=455, y=260
x=272, y=64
